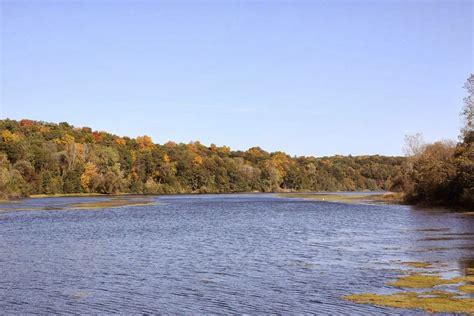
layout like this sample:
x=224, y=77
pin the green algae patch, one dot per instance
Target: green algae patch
x=421, y=281
x=467, y=288
x=110, y=203
x=417, y=264
x=435, y=301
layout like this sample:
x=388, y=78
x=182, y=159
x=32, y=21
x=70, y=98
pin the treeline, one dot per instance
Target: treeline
x=442, y=173
x=46, y=158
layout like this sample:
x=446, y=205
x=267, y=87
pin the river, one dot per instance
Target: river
x=243, y=253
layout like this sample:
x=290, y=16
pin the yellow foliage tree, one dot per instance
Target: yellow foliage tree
x=145, y=142
x=9, y=136
x=120, y=141
x=198, y=160
x=90, y=171
x=67, y=139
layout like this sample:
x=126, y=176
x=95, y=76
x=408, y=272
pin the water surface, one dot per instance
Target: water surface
x=217, y=254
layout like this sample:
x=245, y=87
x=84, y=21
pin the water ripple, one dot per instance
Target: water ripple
x=228, y=254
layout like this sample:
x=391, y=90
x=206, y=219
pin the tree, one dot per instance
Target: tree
x=442, y=173
x=11, y=182
x=468, y=110
x=40, y=157
x=90, y=179
x=144, y=142
x=434, y=171
x=414, y=145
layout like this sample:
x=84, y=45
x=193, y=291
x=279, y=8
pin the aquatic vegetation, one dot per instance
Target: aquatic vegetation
x=429, y=301
x=325, y=197
x=2, y=201
x=432, y=230
x=23, y=209
x=458, y=234
x=432, y=301
x=206, y=280
x=118, y=202
x=471, y=248
x=446, y=238
x=41, y=196
x=109, y=203
x=467, y=288
x=466, y=213
x=420, y=281
x=347, y=198
x=79, y=295
x=309, y=265
x=467, y=278
x=416, y=264
x=303, y=264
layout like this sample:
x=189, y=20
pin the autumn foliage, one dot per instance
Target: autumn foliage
x=442, y=173
x=46, y=158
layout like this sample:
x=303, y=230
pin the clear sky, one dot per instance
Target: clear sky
x=306, y=77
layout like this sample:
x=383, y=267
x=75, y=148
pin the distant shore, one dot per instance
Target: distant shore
x=321, y=196
x=387, y=197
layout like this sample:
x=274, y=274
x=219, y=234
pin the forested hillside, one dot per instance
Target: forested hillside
x=46, y=158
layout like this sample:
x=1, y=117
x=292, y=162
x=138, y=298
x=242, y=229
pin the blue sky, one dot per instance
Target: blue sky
x=306, y=77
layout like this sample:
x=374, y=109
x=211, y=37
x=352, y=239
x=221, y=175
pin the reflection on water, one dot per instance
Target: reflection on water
x=218, y=254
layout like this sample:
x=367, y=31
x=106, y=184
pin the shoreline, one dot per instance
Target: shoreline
x=348, y=197
x=354, y=196
x=282, y=192
x=336, y=197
